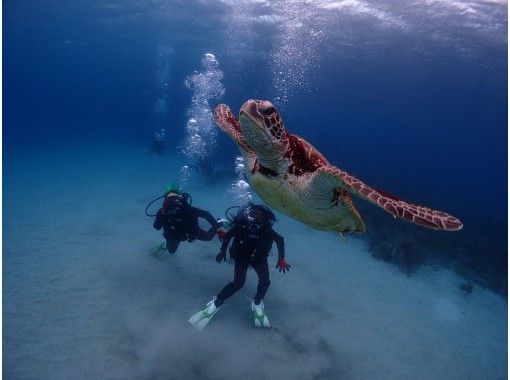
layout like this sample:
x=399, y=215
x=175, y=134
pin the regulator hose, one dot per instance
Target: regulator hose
x=150, y=204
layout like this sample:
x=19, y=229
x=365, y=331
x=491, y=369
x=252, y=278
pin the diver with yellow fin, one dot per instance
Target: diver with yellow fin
x=253, y=234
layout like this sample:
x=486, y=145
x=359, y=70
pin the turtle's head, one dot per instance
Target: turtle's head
x=264, y=131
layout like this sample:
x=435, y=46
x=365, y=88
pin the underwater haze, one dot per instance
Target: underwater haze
x=409, y=96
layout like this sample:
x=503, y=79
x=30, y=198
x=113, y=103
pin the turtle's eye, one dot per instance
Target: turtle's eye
x=267, y=111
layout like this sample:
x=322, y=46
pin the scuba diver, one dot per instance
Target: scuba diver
x=179, y=220
x=157, y=145
x=252, y=230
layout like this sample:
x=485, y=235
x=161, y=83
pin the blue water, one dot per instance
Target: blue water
x=410, y=97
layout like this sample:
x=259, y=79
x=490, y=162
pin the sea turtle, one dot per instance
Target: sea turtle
x=292, y=176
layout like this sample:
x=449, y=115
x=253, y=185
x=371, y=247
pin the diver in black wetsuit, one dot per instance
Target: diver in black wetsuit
x=179, y=221
x=253, y=237
x=157, y=145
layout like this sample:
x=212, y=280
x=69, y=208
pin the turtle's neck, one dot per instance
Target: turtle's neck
x=272, y=159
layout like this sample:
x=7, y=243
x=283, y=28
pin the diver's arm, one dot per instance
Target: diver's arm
x=280, y=243
x=160, y=220
x=282, y=265
x=222, y=255
x=207, y=216
x=228, y=236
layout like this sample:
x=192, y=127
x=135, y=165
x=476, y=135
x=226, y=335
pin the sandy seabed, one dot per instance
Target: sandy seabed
x=84, y=298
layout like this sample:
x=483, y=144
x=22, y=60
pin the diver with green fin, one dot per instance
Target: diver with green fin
x=252, y=230
x=179, y=220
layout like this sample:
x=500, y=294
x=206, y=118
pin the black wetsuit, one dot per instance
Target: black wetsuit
x=250, y=252
x=184, y=226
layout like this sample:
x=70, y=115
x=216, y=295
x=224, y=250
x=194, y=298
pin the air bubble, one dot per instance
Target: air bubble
x=240, y=188
x=200, y=140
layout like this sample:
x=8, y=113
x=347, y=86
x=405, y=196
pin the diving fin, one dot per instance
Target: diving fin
x=259, y=316
x=204, y=316
x=158, y=249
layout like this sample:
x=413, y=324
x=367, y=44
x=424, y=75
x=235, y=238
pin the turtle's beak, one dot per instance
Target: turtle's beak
x=249, y=108
x=250, y=118
x=259, y=112
x=252, y=126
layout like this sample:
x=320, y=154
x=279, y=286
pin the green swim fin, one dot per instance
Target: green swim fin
x=204, y=316
x=259, y=315
x=158, y=249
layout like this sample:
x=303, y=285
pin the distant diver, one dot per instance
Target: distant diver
x=179, y=221
x=157, y=145
x=292, y=176
x=252, y=230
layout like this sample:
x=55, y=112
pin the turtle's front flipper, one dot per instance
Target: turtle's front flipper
x=338, y=180
x=224, y=118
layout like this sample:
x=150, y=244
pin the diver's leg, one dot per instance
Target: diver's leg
x=240, y=269
x=172, y=243
x=257, y=306
x=201, y=234
x=262, y=270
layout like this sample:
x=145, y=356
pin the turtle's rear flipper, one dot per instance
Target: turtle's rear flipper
x=336, y=180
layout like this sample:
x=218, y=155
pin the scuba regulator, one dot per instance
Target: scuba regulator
x=174, y=204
